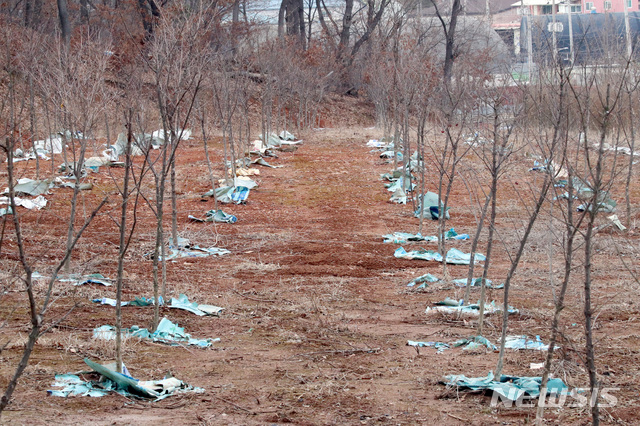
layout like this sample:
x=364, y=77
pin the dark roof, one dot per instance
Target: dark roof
x=478, y=6
x=474, y=7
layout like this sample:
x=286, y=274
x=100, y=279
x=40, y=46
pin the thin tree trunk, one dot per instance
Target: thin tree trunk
x=122, y=245
x=474, y=248
x=63, y=16
x=559, y=305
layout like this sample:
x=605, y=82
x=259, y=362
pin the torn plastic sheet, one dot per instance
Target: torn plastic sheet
x=29, y=155
x=374, y=143
x=474, y=342
x=244, y=172
x=423, y=280
x=186, y=249
x=215, y=216
x=399, y=197
x=439, y=346
x=509, y=387
x=36, y=204
x=230, y=194
x=182, y=302
x=89, y=279
x=400, y=183
x=239, y=181
x=389, y=155
x=86, y=186
x=137, y=145
x=454, y=256
x=138, y=301
x=72, y=385
x=614, y=148
x=52, y=145
x=614, y=219
x=431, y=202
x=261, y=161
x=476, y=282
x=404, y=237
x=550, y=167
x=196, y=251
x=451, y=306
x=122, y=383
x=286, y=136
x=26, y=186
x=521, y=342
x=167, y=332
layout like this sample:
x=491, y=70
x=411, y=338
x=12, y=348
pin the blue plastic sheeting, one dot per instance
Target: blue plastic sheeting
x=474, y=342
x=423, y=280
x=230, y=194
x=521, y=342
x=72, y=385
x=139, y=301
x=167, y=332
x=509, y=387
x=454, y=256
x=404, y=237
x=121, y=383
x=439, y=346
x=476, y=282
x=182, y=302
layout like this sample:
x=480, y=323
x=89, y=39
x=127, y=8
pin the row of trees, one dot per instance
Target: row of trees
x=578, y=121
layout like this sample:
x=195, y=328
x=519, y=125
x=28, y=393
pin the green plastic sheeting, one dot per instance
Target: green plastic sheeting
x=509, y=387
x=88, y=279
x=31, y=187
x=167, y=332
x=476, y=282
x=215, y=216
x=112, y=381
x=404, y=237
x=72, y=385
x=454, y=256
x=451, y=306
x=186, y=249
x=262, y=162
x=521, y=342
x=139, y=301
x=182, y=302
x=474, y=342
x=439, y=346
x=423, y=280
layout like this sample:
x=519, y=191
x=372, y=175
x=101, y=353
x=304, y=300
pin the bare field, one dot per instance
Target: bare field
x=317, y=313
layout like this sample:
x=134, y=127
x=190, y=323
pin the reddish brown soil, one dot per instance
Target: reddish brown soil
x=317, y=315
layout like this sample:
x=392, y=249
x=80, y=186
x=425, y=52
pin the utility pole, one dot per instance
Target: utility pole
x=554, y=37
x=627, y=28
x=572, y=56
